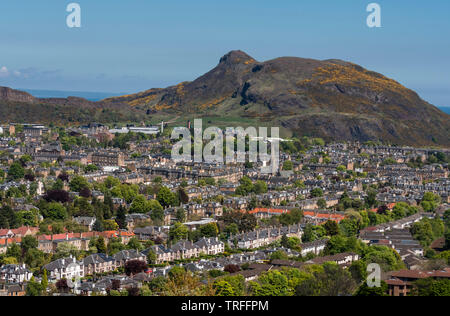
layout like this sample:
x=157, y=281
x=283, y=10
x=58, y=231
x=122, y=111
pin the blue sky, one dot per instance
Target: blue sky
x=128, y=46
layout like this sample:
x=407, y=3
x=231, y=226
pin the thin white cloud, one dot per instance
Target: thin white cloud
x=4, y=72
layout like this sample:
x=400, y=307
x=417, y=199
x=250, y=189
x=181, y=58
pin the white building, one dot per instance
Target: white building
x=14, y=273
x=66, y=268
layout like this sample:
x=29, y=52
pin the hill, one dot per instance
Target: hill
x=21, y=107
x=332, y=99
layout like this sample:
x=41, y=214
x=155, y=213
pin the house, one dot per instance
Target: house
x=185, y=249
x=98, y=263
x=86, y=221
x=314, y=247
x=133, y=220
x=162, y=253
x=150, y=233
x=14, y=273
x=264, y=237
x=126, y=255
x=342, y=259
x=210, y=246
x=400, y=282
x=66, y=268
x=12, y=290
x=262, y=213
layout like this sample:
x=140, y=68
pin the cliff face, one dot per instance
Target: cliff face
x=333, y=99
x=8, y=94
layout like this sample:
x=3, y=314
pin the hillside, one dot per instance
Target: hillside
x=21, y=107
x=332, y=99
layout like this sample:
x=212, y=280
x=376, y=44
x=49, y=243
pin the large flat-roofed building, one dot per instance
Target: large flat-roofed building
x=34, y=130
x=108, y=159
x=152, y=130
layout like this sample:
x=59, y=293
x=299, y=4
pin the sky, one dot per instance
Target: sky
x=134, y=45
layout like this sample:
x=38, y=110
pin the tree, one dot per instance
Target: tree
x=78, y=183
x=447, y=240
x=358, y=269
x=260, y=187
x=176, y=272
x=365, y=290
x=140, y=205
x=133, y=267
x=121, y=217
x=244, y=221
x=232, y=268
x=181, y=215
x=231, y=229
x=33, y=288
x=182, y=196
x=332, y=228
x=339, y=244
x=322, y=204
x=28, y=243
x=54, y=211
x=152, y=257
x=57, y=196
x=134, y=243
x=426, y=231
x=288, y=165
x=313, y=233
x=341, y=168
x=30, y=177
x=223, y=288
x=98, y=226
x=65, y=249
x=279, y=255
x=14, y=251
x=63, y=177
x=316, y=192
x=387, y=258
x=245, y=187
x=329, y=280
x=166, y=197
x=430, y=202
x=272, y=283
x=44, y=280
x=85, y=192
x=62, y=286
x=16, y=171
x=371, y=199
x=100, y=245
x=431, y=287
x=90, y=168
x=8, y=218
x=110, y=224
x=209, y=230
x=178, y=232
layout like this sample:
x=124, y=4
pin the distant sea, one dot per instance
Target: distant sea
x=91, y=96
x=445, y=109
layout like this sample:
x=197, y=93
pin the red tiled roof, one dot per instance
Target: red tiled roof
x=333, y=217
x=106, y=234
x=395, y=282
x=415, y=274
x=268, y=210
x=21, y=231
x=9, y=241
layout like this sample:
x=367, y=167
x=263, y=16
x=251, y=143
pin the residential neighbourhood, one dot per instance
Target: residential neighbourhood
x=100, y=210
